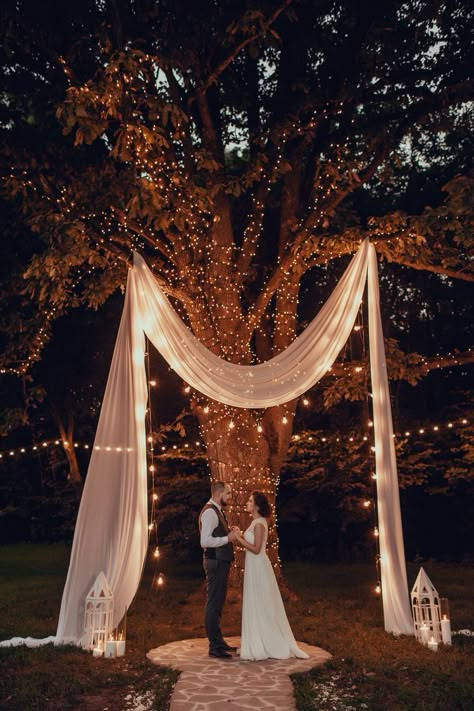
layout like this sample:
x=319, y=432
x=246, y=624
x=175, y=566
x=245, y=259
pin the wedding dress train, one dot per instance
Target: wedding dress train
x=266, y=632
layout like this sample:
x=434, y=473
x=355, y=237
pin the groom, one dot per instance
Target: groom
x=216, y=541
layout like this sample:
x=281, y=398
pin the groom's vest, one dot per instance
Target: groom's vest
x=225, y=552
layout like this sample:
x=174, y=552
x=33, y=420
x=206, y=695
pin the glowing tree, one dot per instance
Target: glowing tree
x=228, y=145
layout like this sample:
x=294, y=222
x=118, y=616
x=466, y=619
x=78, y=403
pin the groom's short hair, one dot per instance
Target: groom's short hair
x=217, y=487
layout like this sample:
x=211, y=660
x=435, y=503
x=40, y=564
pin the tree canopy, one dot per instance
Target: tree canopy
x=243, y=149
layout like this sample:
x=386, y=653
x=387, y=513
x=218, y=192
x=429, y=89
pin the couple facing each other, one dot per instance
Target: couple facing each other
x=266, y=632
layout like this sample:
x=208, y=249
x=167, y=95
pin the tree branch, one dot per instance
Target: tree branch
x=425, y=366
x=212, y=78
x=253, y=229
x=435, y=268
x=151, y=239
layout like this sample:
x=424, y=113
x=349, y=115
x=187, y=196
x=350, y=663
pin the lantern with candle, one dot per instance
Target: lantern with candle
x=99, y=612
x=426, y=609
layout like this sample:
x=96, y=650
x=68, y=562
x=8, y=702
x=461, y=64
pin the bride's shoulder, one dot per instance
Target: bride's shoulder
x=262, y=520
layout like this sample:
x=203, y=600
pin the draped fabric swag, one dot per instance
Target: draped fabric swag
x=112, y=527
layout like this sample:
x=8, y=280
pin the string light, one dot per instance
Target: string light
x=155, y=148
x=296, y=437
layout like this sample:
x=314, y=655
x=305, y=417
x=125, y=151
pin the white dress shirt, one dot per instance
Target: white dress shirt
x=209, y=521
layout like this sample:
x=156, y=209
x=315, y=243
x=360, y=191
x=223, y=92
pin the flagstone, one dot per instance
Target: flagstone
x=212, y=684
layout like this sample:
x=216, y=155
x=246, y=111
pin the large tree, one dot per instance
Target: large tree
x=237, y=148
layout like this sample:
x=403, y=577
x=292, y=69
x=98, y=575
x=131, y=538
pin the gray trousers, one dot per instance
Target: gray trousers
x=217, y=573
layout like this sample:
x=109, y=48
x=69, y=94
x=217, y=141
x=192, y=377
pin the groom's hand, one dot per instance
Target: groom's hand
x=231, y=536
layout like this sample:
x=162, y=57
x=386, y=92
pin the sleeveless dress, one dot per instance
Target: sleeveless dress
x=266, y=632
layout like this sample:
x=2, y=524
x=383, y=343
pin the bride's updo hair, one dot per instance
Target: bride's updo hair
x=261, y=501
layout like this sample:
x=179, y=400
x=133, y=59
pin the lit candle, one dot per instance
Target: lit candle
x=433, y=644
x=110, y=649
x=97, y=651
x=120, y=645
x=446, y=630
x=425, y=633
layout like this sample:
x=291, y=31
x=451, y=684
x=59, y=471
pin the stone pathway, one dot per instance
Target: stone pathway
x=210, y=684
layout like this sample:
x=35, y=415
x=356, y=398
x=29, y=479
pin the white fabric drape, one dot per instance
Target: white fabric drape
x=275, y=382
x=111, y=529
x=111, y=533
x=396, y=604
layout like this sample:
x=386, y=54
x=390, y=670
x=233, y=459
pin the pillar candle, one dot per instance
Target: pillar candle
x=425, y=633
x=97, y=652
x=433, y=644
x=446, y=630
x=120, y=647
x=110, y=649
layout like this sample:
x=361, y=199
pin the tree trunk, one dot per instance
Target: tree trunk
x=239, y=453
x=74, y=474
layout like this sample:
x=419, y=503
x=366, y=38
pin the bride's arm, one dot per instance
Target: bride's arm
x=257, y=546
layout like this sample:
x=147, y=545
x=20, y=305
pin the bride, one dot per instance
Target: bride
x=266, y=632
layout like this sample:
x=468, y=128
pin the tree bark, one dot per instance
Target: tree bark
x=239, y=452
x=74, y=474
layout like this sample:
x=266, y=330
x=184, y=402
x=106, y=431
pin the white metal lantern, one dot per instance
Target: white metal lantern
x=99, y=612
x=426, y=609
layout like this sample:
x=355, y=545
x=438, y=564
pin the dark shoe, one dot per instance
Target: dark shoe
x=228, y=648
x=220, y=654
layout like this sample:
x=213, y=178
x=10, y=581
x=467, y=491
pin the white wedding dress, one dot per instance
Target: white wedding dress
x=266, y=632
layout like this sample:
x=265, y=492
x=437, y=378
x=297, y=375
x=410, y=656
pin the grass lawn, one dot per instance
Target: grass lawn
x=335, y=609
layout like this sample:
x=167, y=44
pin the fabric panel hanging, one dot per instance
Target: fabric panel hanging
x=396, y=603
x=111, y=531
x=279, y=380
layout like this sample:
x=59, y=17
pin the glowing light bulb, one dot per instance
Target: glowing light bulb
x=160, y=581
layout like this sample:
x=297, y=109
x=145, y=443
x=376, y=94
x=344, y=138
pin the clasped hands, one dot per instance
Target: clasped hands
x=235, y=534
